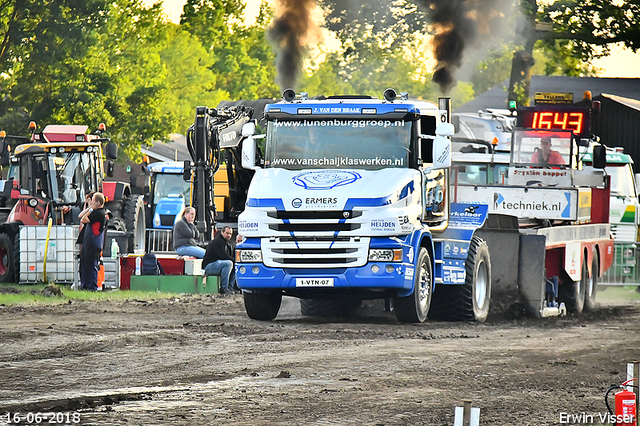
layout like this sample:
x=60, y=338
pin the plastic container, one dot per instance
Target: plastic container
x=138, y=264
x=61, y=254
x=114, y=249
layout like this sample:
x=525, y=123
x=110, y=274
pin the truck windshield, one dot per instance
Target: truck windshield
x=541, y=148
x=67, y=181
x=339, y=144
x=170, y=185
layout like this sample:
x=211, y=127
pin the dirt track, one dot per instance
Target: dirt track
x=201, y=361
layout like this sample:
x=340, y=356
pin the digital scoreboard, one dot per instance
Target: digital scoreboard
x=548, y=117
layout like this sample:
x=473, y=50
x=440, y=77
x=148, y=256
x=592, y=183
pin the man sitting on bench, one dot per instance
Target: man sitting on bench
x=218, y=260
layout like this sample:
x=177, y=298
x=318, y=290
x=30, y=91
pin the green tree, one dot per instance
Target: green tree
x=243, y=61
x=86, y=62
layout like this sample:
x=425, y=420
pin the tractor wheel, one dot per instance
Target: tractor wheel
x=468, y=302
x=415, y=307
x=572, y=293
x=330, y=308
x=592, y=285
x=7, y=264
x=134, y=219
x=262, y=306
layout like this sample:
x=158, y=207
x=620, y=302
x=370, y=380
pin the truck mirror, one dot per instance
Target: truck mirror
x=249, y=154
x=599, y=157
x=441, y=152
x=248, y=129
x=112, y=151
x=445, y=129
x=110, y=168
x=186, y=171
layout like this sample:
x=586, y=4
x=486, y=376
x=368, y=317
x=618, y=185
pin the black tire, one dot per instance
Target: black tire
x=134, y=219
x=592, y=285
x=415, y=307
x=572, y=293
x=468, y=302
x=7, y=259
x=330, y=308
x=262, y=306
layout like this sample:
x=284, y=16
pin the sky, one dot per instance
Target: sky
x=622, y=62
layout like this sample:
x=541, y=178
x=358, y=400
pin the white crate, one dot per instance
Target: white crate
x=61, y=254
x=193, y=267
x=111, y=273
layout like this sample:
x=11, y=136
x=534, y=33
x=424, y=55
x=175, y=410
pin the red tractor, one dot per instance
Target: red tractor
x=50, y=177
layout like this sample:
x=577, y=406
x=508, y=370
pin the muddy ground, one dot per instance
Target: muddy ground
x=201, y=361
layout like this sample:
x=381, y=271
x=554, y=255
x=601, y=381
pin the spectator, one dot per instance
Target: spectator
x=94, y=221
x=218, y=260
x=185, y=234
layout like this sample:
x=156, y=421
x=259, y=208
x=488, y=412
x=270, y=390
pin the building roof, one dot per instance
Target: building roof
x=496, y=97
x=176, y=150
x=631, y=103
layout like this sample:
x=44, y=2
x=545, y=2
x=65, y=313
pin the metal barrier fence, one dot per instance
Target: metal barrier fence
x=159, y=240
x=624, y=270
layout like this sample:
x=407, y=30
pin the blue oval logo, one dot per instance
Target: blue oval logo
x=296, y=202
x=325, y=179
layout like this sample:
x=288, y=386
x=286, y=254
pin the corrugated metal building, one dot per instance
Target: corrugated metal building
x=618, y=124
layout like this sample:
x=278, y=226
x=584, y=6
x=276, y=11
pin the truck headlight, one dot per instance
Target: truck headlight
x=385, y=255
x=156, y=219
x=248, y=256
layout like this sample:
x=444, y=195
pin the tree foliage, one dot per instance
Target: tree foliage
x=590, y=24
x=243, y=61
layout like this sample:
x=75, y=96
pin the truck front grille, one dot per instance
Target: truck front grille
x=314, y=227
x=308, y=253
x=167, y=219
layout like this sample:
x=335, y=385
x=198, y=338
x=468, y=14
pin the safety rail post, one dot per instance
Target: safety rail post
x=466, y=415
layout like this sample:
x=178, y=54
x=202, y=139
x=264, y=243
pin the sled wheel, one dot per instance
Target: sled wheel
x=592, y=285
x=572, y=293
x=415, y=307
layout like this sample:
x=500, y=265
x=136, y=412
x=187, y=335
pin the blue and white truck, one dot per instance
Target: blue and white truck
x=350, y=202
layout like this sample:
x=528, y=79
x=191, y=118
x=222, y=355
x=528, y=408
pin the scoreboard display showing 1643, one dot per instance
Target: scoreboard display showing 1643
x=548, y=117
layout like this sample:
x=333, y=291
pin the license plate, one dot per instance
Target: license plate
x=314, y=282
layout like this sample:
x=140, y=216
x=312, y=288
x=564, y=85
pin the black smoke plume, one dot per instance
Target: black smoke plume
x=454, y=29
x=289, y=33
x=464, y=31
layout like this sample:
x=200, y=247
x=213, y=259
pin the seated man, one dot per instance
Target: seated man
x=218, y=260
x=545, y=155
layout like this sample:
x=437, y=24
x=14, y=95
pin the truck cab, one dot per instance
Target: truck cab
x=346, y=203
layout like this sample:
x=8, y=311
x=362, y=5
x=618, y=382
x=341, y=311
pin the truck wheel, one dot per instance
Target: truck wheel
x=477, y=284
x=572, y=293
x=592, y=286
x=133, y=215
x=415, y=307
x=262, y=306
x=6, y=259
x=330, y=308
x=468, y=302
